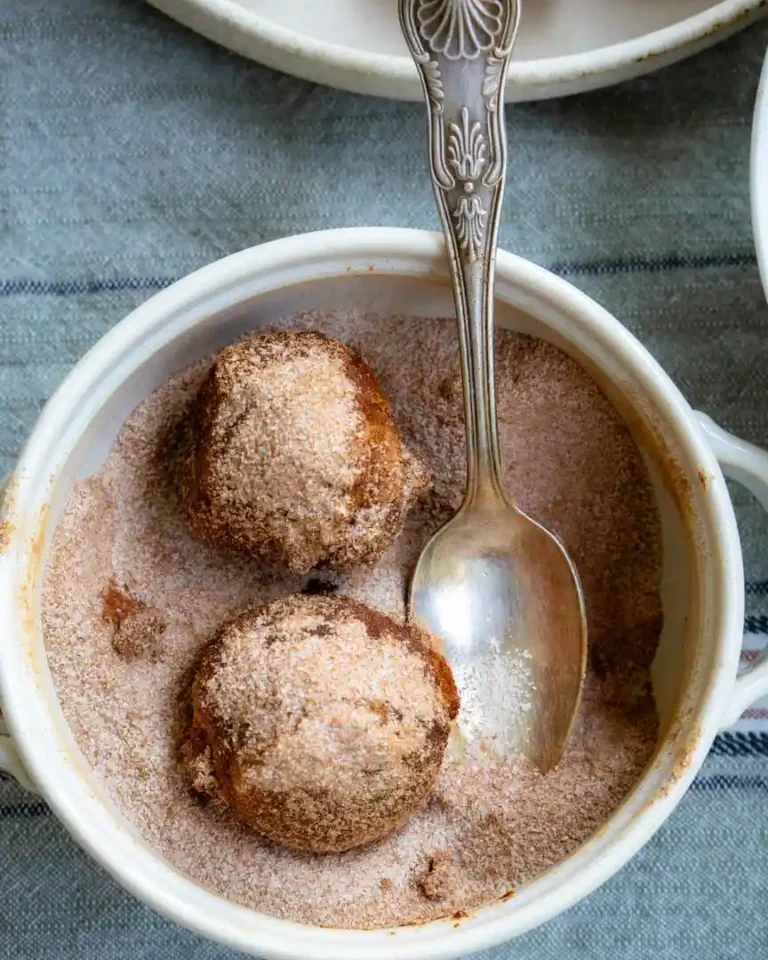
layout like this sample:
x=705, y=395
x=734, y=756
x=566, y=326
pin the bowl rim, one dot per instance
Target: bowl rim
x=253, y=34
x=759, y=175
x=339, y=253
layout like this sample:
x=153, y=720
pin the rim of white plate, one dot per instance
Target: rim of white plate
x=385, y=75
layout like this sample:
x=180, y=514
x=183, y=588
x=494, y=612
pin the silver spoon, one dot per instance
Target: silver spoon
x=493, y=585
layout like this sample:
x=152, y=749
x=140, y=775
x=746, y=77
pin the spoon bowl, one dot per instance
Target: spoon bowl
x=493, y=585
x=502, y=595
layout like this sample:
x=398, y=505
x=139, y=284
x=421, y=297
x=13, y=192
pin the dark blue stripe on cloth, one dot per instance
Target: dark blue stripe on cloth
x=20, y=286
x=752, y=744
x=601, y=268
x=729, y=782
x=67, y=288
x=24, y=811
x=759, y=589
x=756, y=624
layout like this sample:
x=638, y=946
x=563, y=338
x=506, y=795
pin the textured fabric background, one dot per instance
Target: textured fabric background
x=132, y=151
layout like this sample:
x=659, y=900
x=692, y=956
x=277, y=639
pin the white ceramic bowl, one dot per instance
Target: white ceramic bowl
x=565, y=46
x=759, y=175
x=388, y=271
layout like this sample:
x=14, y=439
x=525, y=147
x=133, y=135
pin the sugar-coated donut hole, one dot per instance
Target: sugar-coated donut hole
x=293, y=456
x=320, y=722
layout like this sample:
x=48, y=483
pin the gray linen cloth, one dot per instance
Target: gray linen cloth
x=133, y=151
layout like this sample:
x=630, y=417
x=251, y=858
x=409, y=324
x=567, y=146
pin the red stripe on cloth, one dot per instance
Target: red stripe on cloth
x=749, y=655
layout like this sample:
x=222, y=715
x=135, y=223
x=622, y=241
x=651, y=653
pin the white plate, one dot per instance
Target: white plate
x=759, y=186
x=565, y=46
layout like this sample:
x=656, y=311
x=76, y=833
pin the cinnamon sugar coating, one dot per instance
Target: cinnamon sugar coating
x=293, y=455
x=321, y=723
x=490, y=824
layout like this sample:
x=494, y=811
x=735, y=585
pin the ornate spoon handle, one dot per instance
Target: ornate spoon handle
x=462, y=50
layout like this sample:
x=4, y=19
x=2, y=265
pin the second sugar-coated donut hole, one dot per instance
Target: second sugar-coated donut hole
x=321, y=723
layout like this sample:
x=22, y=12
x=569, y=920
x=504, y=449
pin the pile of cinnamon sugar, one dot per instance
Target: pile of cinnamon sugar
x=490, y=824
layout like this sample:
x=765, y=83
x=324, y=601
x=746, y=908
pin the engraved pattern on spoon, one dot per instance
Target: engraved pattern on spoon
x=467, y=142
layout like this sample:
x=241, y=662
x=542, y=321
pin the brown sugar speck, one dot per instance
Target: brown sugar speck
x=6, y=530
x=139, y=636
x=439, y=882
x=137, y=629
x=118, y=603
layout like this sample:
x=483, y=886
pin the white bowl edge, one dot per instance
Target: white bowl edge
x=351, y=251
x=759, y=175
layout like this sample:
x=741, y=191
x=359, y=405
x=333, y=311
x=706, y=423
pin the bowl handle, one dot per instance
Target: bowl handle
x=10, y=761
x=747, y=465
